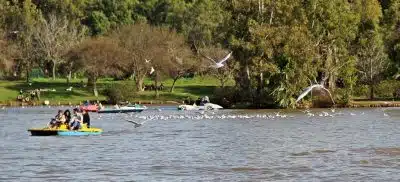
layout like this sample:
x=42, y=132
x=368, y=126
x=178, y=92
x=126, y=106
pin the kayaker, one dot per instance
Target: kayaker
x=86, y=118
x=76, y=120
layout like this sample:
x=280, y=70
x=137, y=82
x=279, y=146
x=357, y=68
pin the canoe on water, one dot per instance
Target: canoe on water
x=124, y=109
x=63, y=131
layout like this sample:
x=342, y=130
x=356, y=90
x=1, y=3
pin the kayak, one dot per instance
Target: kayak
x=63, y=131
x=124, y=109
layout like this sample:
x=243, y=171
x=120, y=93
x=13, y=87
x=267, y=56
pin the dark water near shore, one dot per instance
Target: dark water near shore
x=229, y=145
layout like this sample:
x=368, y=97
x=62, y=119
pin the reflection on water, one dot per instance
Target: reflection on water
x=243, y=145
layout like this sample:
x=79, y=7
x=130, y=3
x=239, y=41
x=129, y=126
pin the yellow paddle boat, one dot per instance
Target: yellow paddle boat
x=63, y=131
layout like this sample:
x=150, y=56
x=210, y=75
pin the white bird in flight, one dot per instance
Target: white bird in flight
x=310, y=88
x=152, y=70
x=219, y=63
x=135, y=123
x=147, y=60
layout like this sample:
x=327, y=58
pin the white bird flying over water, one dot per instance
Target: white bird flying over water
x=310, y=88
x=152, y=70
x=218, y=64
x=135, y=123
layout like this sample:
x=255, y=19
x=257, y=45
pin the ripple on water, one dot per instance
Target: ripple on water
x=393, y=151
x=321, y=151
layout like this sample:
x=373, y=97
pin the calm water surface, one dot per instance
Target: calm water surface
x=229, y=145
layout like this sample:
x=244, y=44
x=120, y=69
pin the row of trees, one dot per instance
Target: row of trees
x=278, y=46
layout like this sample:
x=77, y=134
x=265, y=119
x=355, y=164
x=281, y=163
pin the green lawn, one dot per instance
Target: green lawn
x=185, y=87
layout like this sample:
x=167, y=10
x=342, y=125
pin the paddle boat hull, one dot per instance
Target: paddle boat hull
x=90, y=108
x=84, y=131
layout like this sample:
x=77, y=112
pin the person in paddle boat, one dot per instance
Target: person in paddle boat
x=68, y=116
x=57, y=120
x=77, y=120
x=86, y=118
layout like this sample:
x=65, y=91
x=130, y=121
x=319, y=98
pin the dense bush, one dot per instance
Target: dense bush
x=120, y=92
x=386, y=88
x=224, y=97
x=361, y=91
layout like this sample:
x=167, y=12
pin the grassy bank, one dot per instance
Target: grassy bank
x=185, y=87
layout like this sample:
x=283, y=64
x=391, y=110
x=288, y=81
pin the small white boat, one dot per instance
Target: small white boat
x=206, y=106
x=124, y=109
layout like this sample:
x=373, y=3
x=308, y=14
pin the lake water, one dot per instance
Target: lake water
x=227, y=145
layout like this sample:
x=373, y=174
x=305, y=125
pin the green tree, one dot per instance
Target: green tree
x=333, y=25
x=56, y=35
x=105, y=14
x=372, y=58
x=391, y=24
x=99, y=57
x=20, y=22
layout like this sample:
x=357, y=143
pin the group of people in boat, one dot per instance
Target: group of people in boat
x=72, y=122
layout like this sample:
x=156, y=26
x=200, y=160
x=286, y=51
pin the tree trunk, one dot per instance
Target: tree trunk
x=222, y=82
x=371, y=91
x=139, y=83
x=271, y=16
x=54, y=70
x=95, y=92
x=156, y=83
x=69, y=77
x=173, y=84
x=90, y=81
x=27, y=75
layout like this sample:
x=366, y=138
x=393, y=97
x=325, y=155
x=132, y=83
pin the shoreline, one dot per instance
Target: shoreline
x=73, y=104
x=353, y=104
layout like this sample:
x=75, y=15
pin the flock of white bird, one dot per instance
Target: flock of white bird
x=211, y=115
x=215, y=64
x=219, y=64
x=139, y=119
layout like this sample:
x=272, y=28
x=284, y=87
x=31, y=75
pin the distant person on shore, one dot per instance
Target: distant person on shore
x=77, y=119
x=86, y=118
x=33, y=94
x=37, y=92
